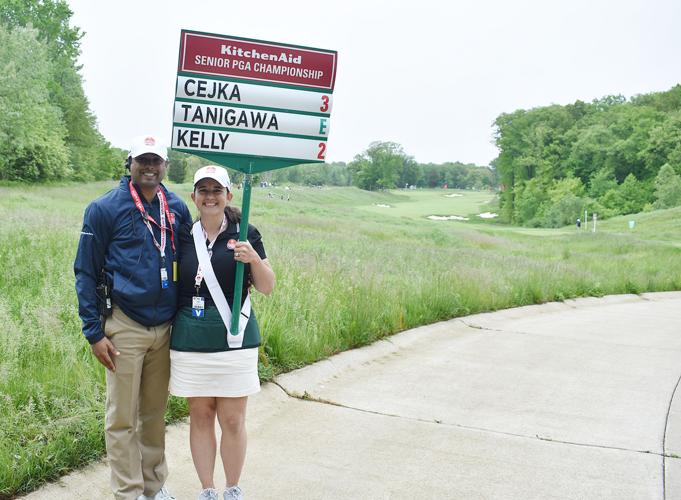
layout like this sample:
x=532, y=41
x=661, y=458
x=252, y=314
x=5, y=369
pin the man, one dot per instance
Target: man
x=127, y=293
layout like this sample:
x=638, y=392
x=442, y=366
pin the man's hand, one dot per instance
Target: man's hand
x=105, y=351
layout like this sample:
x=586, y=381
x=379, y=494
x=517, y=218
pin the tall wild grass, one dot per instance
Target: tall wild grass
x=346, y=276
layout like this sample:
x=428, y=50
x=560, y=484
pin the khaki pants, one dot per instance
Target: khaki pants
x=136, y=397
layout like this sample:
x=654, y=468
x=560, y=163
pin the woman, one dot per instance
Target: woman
x=215, y=369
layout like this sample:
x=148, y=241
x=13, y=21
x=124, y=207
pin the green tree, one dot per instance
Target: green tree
x=666, y=102
x=89, y=155
x=292, y=174
x=411, y=173
x=338, y=174
x=566, y=202
x=633, y=195
x=434, y=176
x=630, y=127
x=52, y=20
x=32, y=135
x=613, y=202
x=177, y=169
x=664, y=145
x=380, y=166
x=667, y=188
x=589, y=151
x=601, y=182
x=530, y=197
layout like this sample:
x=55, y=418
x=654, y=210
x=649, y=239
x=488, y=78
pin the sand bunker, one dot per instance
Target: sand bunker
x=453, y=195
x=488, y=215
x=383, y=205
x=446, y=217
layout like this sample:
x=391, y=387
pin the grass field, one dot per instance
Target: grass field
x=348, y=273
x=419, y=204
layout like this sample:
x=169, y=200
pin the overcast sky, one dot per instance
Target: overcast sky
x=431, y=75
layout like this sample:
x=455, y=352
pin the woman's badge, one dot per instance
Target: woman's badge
x=198, y=306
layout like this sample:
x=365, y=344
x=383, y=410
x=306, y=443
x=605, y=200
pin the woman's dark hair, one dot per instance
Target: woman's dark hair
x=233, y=214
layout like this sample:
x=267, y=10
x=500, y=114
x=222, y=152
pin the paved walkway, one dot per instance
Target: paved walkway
x=573, y=400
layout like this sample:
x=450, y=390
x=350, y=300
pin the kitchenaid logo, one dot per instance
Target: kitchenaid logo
x=230, y=50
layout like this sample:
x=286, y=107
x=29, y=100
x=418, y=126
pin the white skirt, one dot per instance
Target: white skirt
x=228, y=374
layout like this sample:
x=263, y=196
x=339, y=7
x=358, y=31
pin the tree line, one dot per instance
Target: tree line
x=612, y=156
x=385, y=165
x=47, y=131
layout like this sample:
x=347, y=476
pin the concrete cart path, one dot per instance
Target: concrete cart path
x=572, y=400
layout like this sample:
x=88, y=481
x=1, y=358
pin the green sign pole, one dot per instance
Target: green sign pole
x=243, y=236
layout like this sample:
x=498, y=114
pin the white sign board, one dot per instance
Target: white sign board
x=250, y=100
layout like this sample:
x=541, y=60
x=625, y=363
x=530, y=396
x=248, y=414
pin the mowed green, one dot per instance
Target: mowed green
x=348, y=273
x=420, y=203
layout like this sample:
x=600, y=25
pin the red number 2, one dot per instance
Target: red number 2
x=325, y=104
x=322, y=150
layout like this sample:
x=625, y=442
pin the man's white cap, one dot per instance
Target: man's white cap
x=214, y=172
x=148, y=144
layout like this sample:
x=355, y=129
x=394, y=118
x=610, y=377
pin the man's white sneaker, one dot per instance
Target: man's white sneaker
x=233, y=493
x=208, y=494
x=161, y=495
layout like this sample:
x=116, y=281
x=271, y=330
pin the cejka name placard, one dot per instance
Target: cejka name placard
x=252, y=105
x=220, y=55
x=219, y=91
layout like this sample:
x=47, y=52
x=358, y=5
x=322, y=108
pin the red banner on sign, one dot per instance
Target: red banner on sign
x=257, y=60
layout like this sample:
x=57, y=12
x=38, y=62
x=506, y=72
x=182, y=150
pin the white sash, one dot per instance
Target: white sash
x=233, y=340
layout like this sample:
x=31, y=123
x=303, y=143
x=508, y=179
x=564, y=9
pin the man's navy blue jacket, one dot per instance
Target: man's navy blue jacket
x=116, y=239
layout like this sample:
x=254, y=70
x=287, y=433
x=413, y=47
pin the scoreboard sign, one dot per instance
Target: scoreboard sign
x=252, y=105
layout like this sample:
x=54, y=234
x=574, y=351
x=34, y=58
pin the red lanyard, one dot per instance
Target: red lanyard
x=163, y=213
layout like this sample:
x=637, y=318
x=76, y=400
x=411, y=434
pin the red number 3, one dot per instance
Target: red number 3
x=325, y=104
x=322, y=150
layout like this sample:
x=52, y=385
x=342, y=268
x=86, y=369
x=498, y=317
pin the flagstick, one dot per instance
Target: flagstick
x=243, y=236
